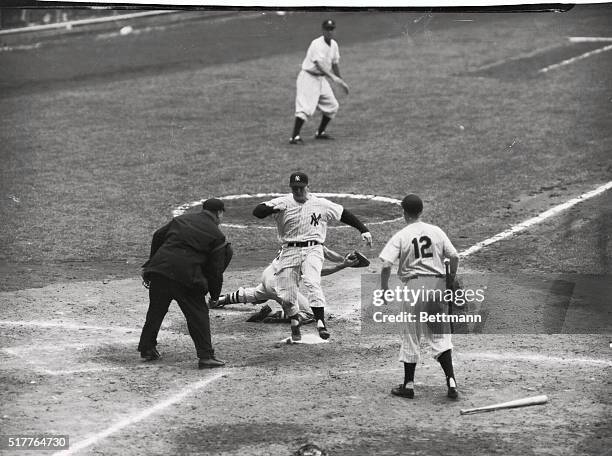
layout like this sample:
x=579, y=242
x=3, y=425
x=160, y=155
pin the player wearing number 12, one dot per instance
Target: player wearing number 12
x=421, y=249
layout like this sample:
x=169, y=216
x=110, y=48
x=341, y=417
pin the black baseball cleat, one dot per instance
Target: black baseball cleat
x=452, y=393
x=259, y=316
x=296, y=140
x=402, y=391
x=306, y=319
x=323, y=135
x=452, y=388
x=296, y=334
x=150, y=355
x=277, y=317
x=323, y=332
x=210, y=363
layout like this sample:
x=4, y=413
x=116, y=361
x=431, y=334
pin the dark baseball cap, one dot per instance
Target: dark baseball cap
x=328, y=24
x=412, y=204
x=213, y=204
x=298, y=180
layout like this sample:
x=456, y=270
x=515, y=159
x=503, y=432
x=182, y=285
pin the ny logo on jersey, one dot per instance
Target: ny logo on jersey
x=315, y=219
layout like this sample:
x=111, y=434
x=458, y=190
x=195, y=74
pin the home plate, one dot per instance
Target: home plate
x=307, y=339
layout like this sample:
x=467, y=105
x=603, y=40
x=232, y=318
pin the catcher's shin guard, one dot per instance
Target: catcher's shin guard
x=233, y=298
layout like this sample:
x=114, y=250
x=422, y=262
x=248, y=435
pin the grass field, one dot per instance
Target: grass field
x=104, y=135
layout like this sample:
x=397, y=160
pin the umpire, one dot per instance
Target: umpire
x=187, y=260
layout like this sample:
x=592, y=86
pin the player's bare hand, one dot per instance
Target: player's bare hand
x=280, y=207
x=344, y=86
x=367, y=237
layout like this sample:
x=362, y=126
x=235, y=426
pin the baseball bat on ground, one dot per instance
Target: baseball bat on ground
x=524, y=402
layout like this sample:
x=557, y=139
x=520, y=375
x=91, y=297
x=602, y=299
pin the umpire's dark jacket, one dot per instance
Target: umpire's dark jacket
x=190, y=249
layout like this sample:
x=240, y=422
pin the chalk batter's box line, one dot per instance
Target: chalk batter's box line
x=136, y=417
x=35, y=366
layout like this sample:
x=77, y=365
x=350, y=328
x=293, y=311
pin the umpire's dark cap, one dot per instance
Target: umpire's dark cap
x=298, y=180
x=213, y=205
x=328, y=24
x=412, y=204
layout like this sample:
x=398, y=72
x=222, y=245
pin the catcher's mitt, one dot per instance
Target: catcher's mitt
x=363, y=260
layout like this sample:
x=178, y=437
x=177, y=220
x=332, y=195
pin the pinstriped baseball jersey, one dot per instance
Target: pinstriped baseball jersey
x=421, y=249
x=298, y=222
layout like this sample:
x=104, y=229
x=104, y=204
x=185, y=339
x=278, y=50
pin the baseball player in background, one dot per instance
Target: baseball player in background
x=267, y=289
x=312, y=89
x=301, y=221
x=421, y=249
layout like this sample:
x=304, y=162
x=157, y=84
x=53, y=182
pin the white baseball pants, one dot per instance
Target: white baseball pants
x=314, y=92
x=305, y=263
x=412, y=333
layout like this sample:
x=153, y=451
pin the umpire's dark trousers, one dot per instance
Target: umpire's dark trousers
x=161, y=293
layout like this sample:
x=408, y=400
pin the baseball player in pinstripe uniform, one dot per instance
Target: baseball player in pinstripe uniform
x=301, y=221
x=312, y=89
x=267, y=288
x=421, y=249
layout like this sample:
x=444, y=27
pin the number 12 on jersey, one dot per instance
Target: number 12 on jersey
x=421, y=246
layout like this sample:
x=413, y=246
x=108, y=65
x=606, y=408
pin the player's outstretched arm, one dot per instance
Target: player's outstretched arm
x=334, y=77
x=346, y=263
x=332, y=255
x=263, y=210
x=350, y=219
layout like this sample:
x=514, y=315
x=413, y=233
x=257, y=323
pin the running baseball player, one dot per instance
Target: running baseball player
x=267, y=288
x=421, y=249
x=312, y=89
x=301, y=221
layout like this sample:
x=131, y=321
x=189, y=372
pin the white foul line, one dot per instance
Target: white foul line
x=589, y=39
x=139, y=416
x=521, y=56
x=70, y=24
x=535, y=220
x=574, y=59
